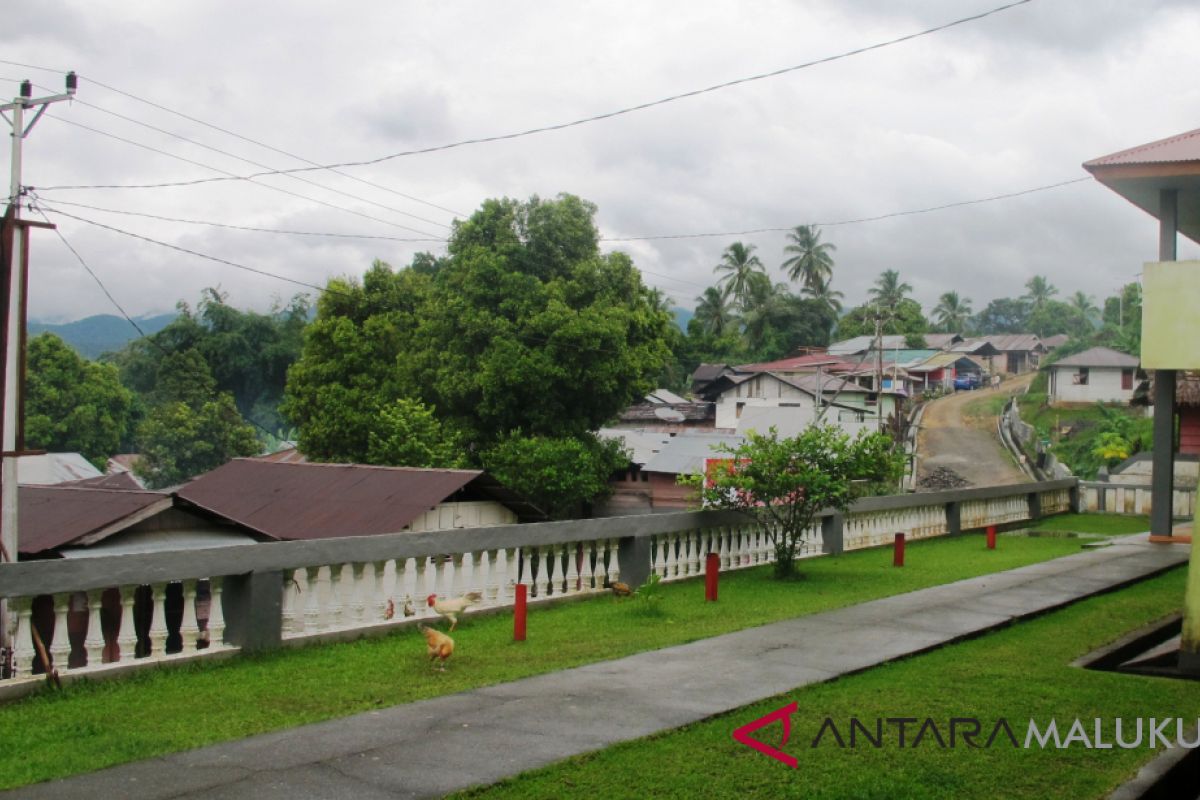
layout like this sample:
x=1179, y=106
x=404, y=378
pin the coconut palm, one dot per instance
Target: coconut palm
x=739, y=264
x=810, y=262
x=824, y=294
x=1084, y=304
x=715, y=312
x=1038, y=292
x=888, y=291
x=952, y=312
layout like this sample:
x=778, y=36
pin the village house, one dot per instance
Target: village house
x=1098, y=375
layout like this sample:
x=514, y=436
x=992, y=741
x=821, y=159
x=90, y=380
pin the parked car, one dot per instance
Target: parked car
x=968, y=380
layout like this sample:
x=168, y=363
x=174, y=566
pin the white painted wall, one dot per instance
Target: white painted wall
x=1103, y=386
x=473, y=514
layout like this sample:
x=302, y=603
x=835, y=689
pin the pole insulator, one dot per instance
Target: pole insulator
x=72, y=82
x=26, y=89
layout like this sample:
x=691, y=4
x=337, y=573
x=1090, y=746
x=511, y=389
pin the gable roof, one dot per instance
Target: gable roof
x=1099, y=357
x=48, y=469
x=685, y=454
x=643, y=445
x=316, y=501
x=806, y=362
x=50, y=517
x=1008, y=342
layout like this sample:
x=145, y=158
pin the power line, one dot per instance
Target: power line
x=255, y=163
x=243, y=227
x=859, y=220
x=280, y=189
x=607, y=115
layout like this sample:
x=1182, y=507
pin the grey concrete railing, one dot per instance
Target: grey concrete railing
x=265, y=595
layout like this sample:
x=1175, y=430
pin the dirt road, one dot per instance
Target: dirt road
x=965, y=444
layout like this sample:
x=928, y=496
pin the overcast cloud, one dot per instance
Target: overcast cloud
x=1007, y=103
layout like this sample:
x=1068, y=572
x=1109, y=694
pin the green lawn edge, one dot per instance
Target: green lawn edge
x=1018, y=673
x=95, y=724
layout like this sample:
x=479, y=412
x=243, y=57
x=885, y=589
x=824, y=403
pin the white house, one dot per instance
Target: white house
x=1099, y=375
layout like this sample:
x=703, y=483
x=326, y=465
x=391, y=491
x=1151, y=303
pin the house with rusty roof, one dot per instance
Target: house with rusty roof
x=1097, y=375
x=287, y=501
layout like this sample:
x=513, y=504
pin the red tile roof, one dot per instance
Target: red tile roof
x=315, y=501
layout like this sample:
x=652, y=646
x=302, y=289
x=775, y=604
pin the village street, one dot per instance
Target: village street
x=965, y=444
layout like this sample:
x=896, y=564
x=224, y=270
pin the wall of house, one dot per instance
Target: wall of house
x=1103, y=386
x=473, y=514
x=1189, y=430
x=762, y=390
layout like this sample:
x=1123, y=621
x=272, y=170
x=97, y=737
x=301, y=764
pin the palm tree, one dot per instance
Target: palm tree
x=1038, y=292
x=767, y=307
x=888, y=291
x=810, y=262
x=1084, y=304
x=714, y=311
x=739, y=264
x=824, y=294
x=952, y=312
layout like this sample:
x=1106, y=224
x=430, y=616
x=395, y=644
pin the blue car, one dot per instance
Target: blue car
x=969, y=380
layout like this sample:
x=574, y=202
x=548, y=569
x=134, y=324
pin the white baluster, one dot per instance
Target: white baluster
x=94, y=641
x=287, y=605
x=573, y=556
x=312, y=603
x=358, y=593
x=725, y=534
x=660, y=564
x=158, y=620
x=376, y=597
x=556, y=575
x=511, y=575
x=542, y=581
x=127, y=635
x=336, y=610
x=614, y=562
x=440, y=586
x=488, y=577
x=216, y=615
x=421, y=580
x=598, y=572
x=457, y=585
x=189, y=628
x=526, y=559
x=23, y=650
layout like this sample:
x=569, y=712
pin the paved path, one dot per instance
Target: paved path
x=970, y=447
x=437, y=746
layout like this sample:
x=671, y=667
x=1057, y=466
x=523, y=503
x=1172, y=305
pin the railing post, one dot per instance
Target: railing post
x=832, y=534
x=1073, y=495
x=633, y=558
x=953, y=518
x=1035, y=506
x=253, y=609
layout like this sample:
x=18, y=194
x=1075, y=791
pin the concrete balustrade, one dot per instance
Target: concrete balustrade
x=110, y=613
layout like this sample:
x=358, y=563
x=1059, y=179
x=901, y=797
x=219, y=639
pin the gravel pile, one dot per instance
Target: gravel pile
x=940, y=478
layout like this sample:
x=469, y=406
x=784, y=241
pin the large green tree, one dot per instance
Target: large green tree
x=1003, y=315
x=739, y=269
x=192, y=427
x=524, y=326
x=72, y=404
x=561, y=476
x=952, y=312
x=889, y=291
x=905, y=318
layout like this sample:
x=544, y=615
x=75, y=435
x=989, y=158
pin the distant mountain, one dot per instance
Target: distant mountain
x=103, y=333
x=682, y=317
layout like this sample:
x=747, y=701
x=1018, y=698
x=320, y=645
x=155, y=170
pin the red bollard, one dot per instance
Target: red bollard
x=991, y=534
x=712, y=566
x=519, y=614
x=898, y=551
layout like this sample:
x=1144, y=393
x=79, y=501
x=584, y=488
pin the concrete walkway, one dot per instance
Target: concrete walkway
x=437, y=746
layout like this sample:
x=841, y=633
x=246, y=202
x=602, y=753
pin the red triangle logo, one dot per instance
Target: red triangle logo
x=784, y=715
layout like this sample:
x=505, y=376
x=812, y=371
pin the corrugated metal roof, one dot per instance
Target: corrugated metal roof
x=1099, y=357
x=850, y=347
x=1057, y=340
x=685, y=454
x=643, y=444
x=794, y=363
x=934, y=362
x=288, y=455
x=1015, y=341
x=316, y=501
x=48, y=469
x=121, y=481
x=1181, y=147
x=660, y=413
x=52, y=516
x=664, y=396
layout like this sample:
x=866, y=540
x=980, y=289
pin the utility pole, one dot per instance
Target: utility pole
x=879, y=368
x=15, y=271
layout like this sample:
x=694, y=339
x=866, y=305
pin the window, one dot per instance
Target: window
x=1081, y=377
x=1126, y=379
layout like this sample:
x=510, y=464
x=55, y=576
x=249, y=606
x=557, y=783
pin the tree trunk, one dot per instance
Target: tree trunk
x=785, y=557
x=1189, y=648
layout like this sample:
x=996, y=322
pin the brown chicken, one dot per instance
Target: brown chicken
x=437, y=645
x=450, y=609
x=621, y=589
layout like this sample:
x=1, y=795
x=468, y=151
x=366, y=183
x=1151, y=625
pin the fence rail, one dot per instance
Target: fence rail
x=109, y=613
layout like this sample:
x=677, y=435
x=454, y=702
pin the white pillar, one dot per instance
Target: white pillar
x=94, y=642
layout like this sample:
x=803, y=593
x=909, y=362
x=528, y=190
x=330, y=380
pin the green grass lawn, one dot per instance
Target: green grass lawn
x=1105, y=524
x=91, y=725
x=1017, y=673
x=985, y=408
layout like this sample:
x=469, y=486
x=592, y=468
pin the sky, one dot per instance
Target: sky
x=1010, y=102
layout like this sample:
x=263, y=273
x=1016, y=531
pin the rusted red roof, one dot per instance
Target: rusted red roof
x=123, y=481
x=316, y=501
x=289, y=455
x=50, y=517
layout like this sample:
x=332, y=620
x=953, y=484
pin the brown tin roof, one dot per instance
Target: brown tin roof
x=50, y=517
x=316, y=501
x=1098, y=357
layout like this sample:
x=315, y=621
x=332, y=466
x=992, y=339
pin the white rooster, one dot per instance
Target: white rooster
x=450, y=609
